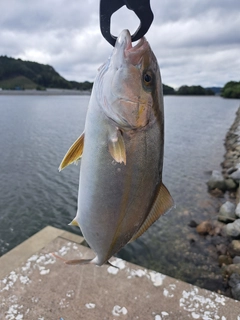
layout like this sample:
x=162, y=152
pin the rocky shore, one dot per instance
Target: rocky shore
x=226, y=227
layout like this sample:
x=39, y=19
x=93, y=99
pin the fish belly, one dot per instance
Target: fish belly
x=114, y=198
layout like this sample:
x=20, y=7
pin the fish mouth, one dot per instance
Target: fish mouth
x=132, y=54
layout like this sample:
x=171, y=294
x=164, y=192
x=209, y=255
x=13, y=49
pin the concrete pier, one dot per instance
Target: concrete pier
x=35, y=285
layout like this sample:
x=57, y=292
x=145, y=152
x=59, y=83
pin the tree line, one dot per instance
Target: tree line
x=20, y=74
x=231, y=90
x=188, y=91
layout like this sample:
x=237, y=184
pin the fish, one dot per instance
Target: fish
x=121, y=193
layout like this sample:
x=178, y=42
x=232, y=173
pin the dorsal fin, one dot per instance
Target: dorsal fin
x=74, y=153
x=162, y=204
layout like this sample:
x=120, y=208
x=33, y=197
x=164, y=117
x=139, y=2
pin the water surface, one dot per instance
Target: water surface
x=35, y=133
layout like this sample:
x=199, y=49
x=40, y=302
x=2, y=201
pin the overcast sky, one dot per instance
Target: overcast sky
x=196, y=42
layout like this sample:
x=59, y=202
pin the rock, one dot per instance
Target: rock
x=235, y=175
x=234, y=248
x=216, y=181
x=216, y=240
x=221, y=249
x=224, y=232
x=234, y=283
x=217, y=193
x=218, y=224
x=223, y=259
x=204, y=227
x=236, y=259
x=230, y=184
x=237, y=211
x=230, y=269
x=217, y=228
x=236, y=292
x=233, y=229
x=215, y=231
x=227, y=212
x=233, y=169
x=208, y=238
x=230, y=154
x=192, y=224
x=232, y=195
x=211, y=249
x=234, y=280
x=192, y=238
x=228, y=163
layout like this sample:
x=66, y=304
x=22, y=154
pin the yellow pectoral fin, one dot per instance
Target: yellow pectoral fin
x=74, y=223
x=74, y=153
x=162, y=204
x=116, y=146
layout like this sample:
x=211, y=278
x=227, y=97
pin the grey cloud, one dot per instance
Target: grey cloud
x=196, y=42
x=36, y=16
x=172, y=11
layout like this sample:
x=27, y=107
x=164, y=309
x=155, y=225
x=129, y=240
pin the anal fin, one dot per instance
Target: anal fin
x=163, y=203
x=74, y=153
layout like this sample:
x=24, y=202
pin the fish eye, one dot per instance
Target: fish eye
x=147, y=78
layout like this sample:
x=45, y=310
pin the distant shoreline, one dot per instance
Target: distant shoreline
x=70, y=92
x=48, y=92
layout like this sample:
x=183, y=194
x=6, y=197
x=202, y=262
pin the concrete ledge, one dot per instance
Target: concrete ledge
x=42, y=287
x=22, y=252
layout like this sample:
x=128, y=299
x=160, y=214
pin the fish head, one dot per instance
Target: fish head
x=129, y=83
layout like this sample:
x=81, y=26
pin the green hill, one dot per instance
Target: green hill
x=20, y=82
x=19, y=74
x=231, y=90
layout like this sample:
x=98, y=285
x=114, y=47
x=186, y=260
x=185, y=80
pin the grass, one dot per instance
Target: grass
x=20, y=82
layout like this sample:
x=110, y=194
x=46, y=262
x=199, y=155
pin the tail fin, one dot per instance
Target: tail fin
x=78, y=261
x=82, y=261
x=74, y=261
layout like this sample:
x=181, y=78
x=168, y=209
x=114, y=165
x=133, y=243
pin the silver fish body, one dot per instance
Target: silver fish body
x=120, y=189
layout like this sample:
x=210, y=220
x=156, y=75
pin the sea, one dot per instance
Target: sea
x=37, y=130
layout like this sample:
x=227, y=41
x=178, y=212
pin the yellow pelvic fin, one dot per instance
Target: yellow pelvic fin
x=74, y=223
x=74, y=153
x=163, y=203
x=116, y=146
